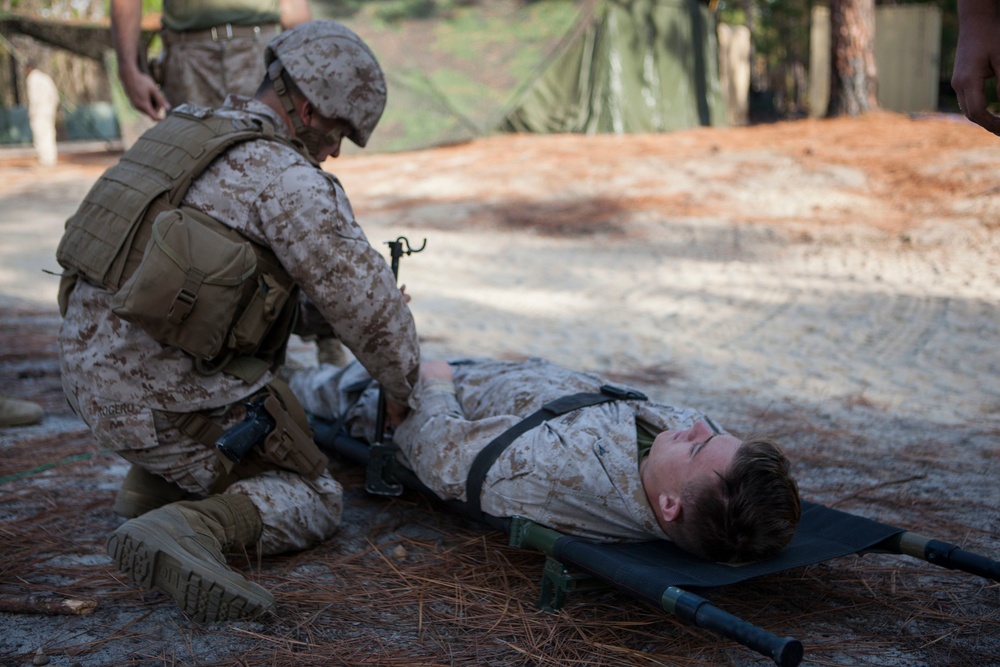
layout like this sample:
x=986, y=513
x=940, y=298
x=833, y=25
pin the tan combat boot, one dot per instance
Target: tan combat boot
x=179, y=549
x=142, y=491
x=14, y=412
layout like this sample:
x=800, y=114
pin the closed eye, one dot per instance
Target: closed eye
x=698, y=447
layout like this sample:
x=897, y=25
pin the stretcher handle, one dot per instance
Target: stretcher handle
x=785, y=651
x=944, y=554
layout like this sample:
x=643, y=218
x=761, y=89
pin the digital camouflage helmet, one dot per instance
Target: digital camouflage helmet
x=335, y=70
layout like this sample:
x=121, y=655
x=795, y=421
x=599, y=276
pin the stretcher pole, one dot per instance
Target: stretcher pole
x=943, y=554
x=785, y=651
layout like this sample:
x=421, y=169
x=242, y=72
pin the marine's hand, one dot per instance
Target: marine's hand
x=977, y=59
x=144, y=94
x=435, y=369
x=395, y=412
x=294, y=12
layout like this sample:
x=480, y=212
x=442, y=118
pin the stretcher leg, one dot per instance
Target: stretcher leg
x=785, y=651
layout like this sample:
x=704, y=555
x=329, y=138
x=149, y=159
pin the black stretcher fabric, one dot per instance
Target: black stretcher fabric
x=647, y=569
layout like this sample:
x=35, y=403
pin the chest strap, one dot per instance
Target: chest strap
x=488, y=455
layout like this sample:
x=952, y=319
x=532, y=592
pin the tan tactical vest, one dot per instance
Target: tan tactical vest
x=187, y=279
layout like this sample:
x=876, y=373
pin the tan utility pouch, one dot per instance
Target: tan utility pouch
x=187, y=288
x=260, y=314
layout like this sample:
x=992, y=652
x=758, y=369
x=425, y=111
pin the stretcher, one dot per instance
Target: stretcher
x=659, y=573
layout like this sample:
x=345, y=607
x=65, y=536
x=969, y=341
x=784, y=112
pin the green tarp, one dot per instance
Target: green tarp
x=632, y=66
x=453, y=74
x=584, y=66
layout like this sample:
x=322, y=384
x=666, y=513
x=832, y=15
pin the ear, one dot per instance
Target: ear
x=669, y=507
x=306, y=110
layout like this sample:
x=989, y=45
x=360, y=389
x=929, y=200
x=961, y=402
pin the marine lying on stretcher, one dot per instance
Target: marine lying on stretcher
x=624, y=468
x=611, y=487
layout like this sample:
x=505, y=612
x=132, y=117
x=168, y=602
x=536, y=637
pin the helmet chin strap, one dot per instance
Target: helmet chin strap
x=312, y=140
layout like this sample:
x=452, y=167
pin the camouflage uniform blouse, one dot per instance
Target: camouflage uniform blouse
x=274, y=196
x=577, y=473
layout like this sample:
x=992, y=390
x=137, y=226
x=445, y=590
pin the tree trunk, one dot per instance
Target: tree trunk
x=854, y=80
x=748, y=12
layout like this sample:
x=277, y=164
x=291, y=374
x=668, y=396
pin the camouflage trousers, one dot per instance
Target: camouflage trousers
x=296, y=512
x=204, y=71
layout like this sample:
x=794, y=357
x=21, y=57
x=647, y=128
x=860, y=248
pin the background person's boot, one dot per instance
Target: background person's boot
x=142, y=491
x=179, y=548
x=14, y=412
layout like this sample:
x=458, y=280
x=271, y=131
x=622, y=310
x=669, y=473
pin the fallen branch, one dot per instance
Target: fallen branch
x=45, y=604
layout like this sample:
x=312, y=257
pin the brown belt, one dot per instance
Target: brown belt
x=222, y=33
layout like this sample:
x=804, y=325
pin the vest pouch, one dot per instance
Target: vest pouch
x=186, y=290
x=66, y=284
x=259, y=316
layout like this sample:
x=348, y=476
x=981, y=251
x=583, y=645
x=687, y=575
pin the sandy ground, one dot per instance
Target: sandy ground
x=836, y=283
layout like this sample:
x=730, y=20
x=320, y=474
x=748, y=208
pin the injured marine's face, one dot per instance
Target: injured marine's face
x=692, y=456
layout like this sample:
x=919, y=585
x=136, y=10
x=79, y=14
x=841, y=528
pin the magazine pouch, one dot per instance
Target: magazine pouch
x=188, y=286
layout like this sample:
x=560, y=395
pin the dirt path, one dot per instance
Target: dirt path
x=834, y=282
x=783, y=261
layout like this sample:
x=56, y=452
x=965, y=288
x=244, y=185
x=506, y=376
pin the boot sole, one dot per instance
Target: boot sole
x=203, y=590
